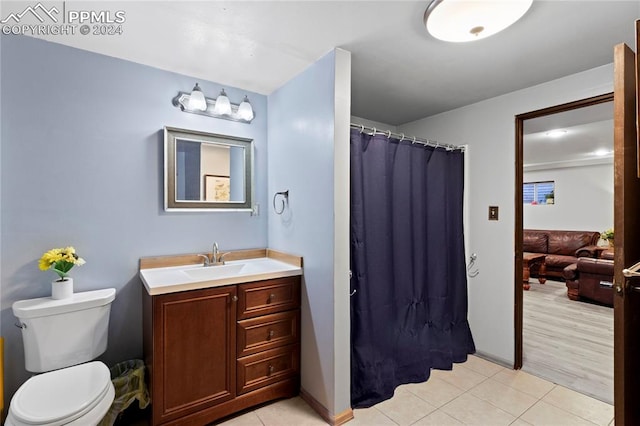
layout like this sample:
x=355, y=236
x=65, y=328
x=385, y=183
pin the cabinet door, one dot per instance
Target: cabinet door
x=194, y=351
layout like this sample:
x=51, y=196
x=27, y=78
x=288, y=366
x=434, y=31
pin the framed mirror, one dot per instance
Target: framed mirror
x=206, y=171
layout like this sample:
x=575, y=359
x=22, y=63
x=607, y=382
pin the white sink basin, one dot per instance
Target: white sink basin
x=215, y=272
x=191, y=277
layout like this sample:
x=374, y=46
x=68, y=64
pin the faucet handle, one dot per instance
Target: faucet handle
x=205, y=258
x=221, y=259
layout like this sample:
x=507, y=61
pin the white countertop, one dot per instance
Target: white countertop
x=193, y=277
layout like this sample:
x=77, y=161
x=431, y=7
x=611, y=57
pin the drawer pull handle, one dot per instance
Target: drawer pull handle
x=270, y=335
x=272, y=297
x=270, y=370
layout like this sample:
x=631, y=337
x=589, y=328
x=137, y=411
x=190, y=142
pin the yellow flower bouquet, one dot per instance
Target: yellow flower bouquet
x=61, y=260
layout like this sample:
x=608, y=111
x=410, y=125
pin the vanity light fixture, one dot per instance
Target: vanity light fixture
x=223, y=104
x=245, y=111
x=197, y=100
x=221, y=107
x=471, y=20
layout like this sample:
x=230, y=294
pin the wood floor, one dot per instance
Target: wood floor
x=568, y=342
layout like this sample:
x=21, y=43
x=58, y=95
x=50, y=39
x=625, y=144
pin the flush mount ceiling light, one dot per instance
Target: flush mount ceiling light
x=470, y=20
x=602, y=152
x=558, y=133
x=196, y=103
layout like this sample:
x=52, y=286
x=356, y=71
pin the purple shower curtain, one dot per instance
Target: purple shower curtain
x=409, y=311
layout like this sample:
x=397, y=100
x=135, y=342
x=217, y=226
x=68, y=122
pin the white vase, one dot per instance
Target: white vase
x=62, y=289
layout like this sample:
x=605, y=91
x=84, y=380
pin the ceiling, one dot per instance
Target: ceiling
x=588, y=138
x=399, y=72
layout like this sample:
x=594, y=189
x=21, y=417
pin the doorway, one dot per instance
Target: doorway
x=532, y=155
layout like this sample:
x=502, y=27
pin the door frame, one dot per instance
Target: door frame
x=519, y=207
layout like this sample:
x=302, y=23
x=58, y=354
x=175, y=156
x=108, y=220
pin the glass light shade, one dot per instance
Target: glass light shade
x=223, y=105
x=470, y=20
x=245, y=111
x=197, y=100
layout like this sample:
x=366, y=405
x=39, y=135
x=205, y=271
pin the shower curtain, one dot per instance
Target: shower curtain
x=409, y=309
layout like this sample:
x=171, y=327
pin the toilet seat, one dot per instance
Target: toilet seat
x=62, y=396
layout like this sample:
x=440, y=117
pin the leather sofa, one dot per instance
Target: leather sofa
x=590, y=279
x=562, y=248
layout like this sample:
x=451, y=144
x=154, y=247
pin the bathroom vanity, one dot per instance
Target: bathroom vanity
x=220, y=339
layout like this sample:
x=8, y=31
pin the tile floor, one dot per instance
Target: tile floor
x=477, y=392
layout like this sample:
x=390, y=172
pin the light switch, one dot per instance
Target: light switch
x=493, y=212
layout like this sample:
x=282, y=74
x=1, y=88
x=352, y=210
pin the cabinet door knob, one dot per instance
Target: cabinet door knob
x=270, y=335
x=270, y=370
x=272, y=297
x=234, y=298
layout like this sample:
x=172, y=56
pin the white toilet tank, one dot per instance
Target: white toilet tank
x=66, y=332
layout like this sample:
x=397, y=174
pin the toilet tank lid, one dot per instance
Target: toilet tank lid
x=44, y=306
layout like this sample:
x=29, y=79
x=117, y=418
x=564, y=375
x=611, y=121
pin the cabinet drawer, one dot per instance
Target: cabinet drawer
x=264, y=368
x=268, y=297
x=267, y=332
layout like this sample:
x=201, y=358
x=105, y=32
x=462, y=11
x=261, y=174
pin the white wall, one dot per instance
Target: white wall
x=309, y=156
x=488, y=127
x=370, y=123
x=583, y=199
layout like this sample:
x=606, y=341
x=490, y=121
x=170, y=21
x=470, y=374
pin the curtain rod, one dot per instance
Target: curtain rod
x=401, y=136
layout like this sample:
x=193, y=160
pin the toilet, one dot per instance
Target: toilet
x=61, y=339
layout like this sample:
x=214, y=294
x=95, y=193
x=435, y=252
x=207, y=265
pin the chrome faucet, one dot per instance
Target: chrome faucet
x=214, y=258
x=214, y=254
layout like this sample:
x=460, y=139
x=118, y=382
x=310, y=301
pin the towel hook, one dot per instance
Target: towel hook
x=472, y=261
x=285, y=201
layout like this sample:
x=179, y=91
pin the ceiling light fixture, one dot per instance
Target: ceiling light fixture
x=470, y=20
x=558, y=133
x=602, y=152
x=221, y=107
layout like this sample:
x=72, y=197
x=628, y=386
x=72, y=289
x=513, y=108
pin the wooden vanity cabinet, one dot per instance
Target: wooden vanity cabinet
x=216, y=351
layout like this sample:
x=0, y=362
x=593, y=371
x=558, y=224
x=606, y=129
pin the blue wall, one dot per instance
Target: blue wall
x=301, y=128
x=81, y=164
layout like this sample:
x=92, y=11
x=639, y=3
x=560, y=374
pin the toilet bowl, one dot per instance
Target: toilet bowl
x=61, y=338
x=79, y=395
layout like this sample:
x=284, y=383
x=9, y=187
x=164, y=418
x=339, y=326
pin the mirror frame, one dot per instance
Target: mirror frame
x=171, y=135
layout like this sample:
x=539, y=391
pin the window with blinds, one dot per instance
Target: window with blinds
x=538, y=192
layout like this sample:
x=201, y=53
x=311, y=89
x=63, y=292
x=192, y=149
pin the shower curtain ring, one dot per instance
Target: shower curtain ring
x=361, y=128
x=374, y=131
x=389, y=134
x=414, y=140
x=402, y=138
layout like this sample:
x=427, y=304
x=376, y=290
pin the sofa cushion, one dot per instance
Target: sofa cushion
x=569, y=272
x=534, y=242
x=559, y=261
x=567, y=242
